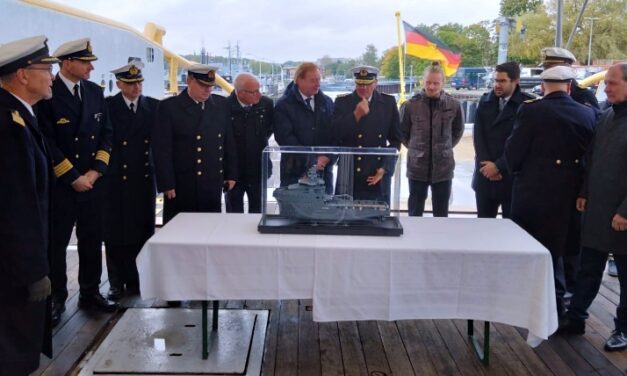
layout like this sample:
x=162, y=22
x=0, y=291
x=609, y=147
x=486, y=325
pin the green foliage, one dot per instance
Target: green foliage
x=370, y=57
x=511, y=8
x=609, y=31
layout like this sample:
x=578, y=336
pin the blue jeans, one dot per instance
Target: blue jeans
x=440, y=194
x=589, y=281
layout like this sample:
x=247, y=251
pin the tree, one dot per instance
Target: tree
x=609, y=31
x=511, y=8
x=370, y=57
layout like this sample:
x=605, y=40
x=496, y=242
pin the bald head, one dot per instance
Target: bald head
x=242, y=79
x=247, y=89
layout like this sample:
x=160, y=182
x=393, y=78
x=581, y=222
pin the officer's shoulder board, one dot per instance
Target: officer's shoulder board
x=532, y=100
x=17, y=118
x=528, y=96
x=343, y=95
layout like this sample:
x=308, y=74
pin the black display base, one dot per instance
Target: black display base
x=276, y=224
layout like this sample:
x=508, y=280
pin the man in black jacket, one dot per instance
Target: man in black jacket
x=302, y=117
x=25, y=77
x=493, y=125
x=78, y=130
x=193, y=147
x=251, y=122
x=603, y=201
x=130, y=183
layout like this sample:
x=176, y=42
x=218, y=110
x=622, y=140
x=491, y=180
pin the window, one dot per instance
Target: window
x=150, y=54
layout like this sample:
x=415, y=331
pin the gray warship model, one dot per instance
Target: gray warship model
x=307, y=200
x=305, y=208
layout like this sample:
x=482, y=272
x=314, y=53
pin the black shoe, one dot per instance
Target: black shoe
x=58, y=307
x=115, y=293
x=617, y=341
x=98, y=302
x=611, y=268
x=571, y=326
x=174, y=303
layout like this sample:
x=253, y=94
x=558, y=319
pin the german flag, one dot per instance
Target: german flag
x=424, y=45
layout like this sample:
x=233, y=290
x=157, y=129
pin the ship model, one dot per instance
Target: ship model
x=308, y=201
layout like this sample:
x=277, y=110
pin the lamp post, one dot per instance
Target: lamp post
x=590, y=41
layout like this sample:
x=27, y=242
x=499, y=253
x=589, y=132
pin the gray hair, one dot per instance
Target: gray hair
x=242, y=78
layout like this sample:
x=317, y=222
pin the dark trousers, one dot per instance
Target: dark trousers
x=121, y=266
x=234, y=199
x=488, y=207
x=440, y=194
x=87, y=216
x=560, y=284
x=589, y=281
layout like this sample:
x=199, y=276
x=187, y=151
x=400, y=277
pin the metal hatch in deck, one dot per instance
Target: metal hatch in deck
x=169, y=342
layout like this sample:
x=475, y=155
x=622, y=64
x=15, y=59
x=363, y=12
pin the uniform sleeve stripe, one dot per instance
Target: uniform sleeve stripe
x=62, y=168
x=103, y=156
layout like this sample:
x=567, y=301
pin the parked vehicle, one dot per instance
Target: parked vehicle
x=470, y=78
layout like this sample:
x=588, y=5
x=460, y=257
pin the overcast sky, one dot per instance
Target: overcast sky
x=282, y=30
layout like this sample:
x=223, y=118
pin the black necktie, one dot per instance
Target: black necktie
x=132, y=106
x=308, y=101
x=77, y=92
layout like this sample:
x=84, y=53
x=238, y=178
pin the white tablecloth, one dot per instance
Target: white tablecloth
x=441, y=268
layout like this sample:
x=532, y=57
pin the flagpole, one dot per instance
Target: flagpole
x=401, y=69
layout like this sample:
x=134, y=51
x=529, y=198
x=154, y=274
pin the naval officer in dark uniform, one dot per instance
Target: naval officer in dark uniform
x=544, y=154
x=366, y=118
x=78, y=130
x=251, y=121
x=26, y=171
x=130, y=182
x=552, y=57
x=193, y=147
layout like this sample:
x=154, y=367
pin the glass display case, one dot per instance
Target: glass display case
x=330, y=190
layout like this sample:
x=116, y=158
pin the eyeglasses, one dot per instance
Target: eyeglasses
x=49, y=69
x=252, y=92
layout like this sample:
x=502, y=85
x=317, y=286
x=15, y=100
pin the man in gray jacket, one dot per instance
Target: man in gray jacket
x=432, y=124
x=604, y=203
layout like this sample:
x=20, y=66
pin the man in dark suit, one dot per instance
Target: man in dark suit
x=78, y=131
x=25, y=77
x=366, y=118
x=193, y=147
x=130, y=183
x=544, y=154
x=251, y=121
x=302, y=117
x=493, y=124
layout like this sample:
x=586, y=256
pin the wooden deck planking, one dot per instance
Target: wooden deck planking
x=297, y=345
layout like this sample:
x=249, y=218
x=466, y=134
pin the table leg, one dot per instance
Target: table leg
x=216, y=307
x=483, y=354
x=205, y=345
x=214, y=325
